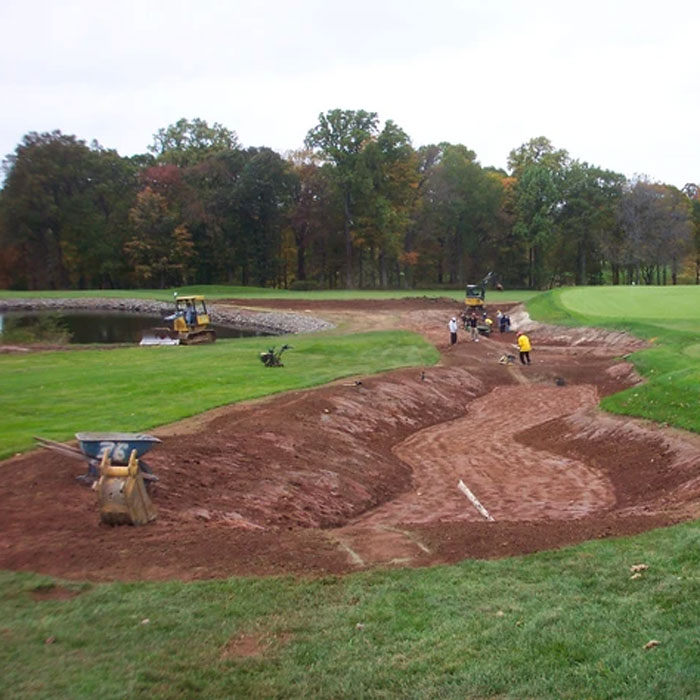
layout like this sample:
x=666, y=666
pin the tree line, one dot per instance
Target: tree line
x=356, y=206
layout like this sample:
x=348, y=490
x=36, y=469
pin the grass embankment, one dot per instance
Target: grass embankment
x=667, y=317
x=56, y=394
x=566, y=624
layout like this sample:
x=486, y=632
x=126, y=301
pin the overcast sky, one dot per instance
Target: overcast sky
x=615, y=83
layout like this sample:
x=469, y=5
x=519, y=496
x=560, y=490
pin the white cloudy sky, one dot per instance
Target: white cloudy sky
x=614, y=82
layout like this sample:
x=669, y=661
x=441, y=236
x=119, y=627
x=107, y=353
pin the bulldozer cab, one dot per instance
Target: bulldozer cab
x=190, y=313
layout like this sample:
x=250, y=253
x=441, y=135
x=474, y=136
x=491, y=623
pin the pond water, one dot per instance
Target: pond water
x=87, y=327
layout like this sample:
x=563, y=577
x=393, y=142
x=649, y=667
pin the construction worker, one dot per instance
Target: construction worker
x=501, y=321
x=190, y=314
x=453, y=330
x=473, y=330
x=524, y=346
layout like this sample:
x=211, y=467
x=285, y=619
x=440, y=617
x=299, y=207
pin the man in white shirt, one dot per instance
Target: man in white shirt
x=453, y=330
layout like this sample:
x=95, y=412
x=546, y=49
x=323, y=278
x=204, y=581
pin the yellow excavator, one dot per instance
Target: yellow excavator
x=189, y=324
x=476, y=295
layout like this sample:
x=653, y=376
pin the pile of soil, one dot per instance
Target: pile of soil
x=375, y=471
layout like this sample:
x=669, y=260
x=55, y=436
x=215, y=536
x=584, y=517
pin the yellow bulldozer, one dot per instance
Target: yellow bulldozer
x=188, y=324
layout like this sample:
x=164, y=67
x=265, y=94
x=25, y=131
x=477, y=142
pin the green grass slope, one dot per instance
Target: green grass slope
x=566, y=624
x=56, y=394
x=668, y=318
x=675, y=308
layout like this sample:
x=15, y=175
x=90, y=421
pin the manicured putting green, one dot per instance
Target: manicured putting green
x=659, y=305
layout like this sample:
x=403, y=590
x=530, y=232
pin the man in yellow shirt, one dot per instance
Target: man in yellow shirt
x=524, y=346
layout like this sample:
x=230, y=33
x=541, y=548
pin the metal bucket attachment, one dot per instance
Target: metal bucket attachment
x=122, y=495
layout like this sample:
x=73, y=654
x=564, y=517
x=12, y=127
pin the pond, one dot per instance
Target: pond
x=87, y=327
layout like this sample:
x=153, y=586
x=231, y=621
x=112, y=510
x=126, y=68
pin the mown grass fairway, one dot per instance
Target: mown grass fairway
x=675, y=308
x=568, y=624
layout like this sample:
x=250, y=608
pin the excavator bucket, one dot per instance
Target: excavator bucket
x=122, y=494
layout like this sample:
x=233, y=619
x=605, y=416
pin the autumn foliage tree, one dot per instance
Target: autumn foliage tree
x=63, y=211
x=340, y=137
x=657, y=225
x=161, y=249
x=359, y=206
x=315, y=221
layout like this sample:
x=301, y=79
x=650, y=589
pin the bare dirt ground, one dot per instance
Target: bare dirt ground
x=376, y=471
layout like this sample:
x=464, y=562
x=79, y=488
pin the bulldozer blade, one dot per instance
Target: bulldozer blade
x=158, y=336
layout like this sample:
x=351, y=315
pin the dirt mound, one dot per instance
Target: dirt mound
x=382, y=470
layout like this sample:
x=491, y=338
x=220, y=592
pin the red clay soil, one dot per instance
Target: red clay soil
x=375, y=471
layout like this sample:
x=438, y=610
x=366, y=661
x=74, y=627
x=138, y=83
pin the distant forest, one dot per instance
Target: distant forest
x=356, y=207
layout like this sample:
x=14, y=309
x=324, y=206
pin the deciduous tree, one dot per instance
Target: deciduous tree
x=387, y=202
x=657, y=229
x=340, y=137
x=160, y=250
x=692, y=192
x=186, y=143
x=586, y=220
x=316, y=221
x=538, y=168
x=264, y=192
x=64, y=208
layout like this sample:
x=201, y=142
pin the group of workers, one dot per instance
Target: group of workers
x=471, y=323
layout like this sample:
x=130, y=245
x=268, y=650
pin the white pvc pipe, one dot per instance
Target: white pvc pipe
x=475, y=501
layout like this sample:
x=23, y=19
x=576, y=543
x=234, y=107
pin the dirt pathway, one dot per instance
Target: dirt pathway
x=472, y=469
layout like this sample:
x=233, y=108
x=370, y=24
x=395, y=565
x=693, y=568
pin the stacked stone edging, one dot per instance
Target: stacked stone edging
x=272, y=322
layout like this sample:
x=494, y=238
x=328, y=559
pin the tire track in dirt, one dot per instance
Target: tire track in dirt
x=512, y=481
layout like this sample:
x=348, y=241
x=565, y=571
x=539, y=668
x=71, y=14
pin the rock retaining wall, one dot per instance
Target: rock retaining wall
x=273, y=322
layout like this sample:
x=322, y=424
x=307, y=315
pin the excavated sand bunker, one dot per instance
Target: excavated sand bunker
x=470, y=458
